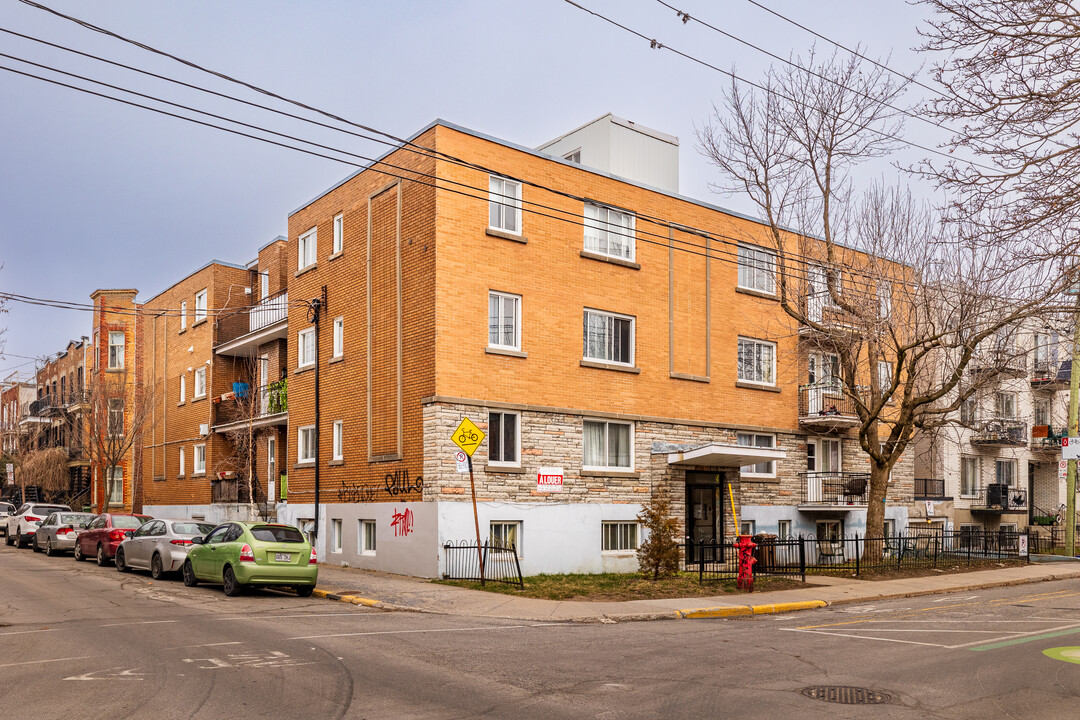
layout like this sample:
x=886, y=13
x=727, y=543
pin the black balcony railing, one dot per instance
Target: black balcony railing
x=825, y=403
x=246, y=402
x=835, y=488
x=57, y=402
x=929, y=488
x=999, y=362
x=999, y=497
x=1043, y=437
x=1005, y=431
x=1050, y=373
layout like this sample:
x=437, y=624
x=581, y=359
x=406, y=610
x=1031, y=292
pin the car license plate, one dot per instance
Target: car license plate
x=282, y=557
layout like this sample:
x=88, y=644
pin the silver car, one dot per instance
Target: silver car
x=57, y=533
x=160, y=546
x=23, y=524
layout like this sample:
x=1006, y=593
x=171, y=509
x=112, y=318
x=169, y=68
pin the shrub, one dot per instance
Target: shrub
x=659, y=554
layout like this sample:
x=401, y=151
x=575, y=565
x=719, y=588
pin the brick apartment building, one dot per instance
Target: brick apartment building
x=582, y=336
x=17, y=391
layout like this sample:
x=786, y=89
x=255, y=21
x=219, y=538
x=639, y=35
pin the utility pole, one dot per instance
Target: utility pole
x=1074, y=395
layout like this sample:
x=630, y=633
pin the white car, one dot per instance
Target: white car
x=20, y=527
x=6, y=509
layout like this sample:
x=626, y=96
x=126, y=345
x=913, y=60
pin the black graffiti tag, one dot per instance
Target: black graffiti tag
x=398, y=483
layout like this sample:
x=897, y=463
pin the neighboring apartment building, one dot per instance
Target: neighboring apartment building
x=17, y=391
x=63, y=403
x=631, y=355
x=215, y=353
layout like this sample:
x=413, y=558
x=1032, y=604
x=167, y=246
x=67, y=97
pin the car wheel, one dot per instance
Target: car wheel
x=34, y=545
x=157, y=570
x=49, y=551
x=232, y=587
x=102, y=561
x=20, y=540
x=304, y=590
x=79, y=557
x=189, y=574
x=8, y=540
x=121, y=564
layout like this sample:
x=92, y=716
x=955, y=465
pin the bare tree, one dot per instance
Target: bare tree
x=907, y=306
x=120, y=412
x=242, y=410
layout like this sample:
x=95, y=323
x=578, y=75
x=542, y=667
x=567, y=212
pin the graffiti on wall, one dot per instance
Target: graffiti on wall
x=398, y=483
x=395, y=484
x=402, y=522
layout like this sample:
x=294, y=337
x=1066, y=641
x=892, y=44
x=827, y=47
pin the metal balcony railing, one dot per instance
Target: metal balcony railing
x=1001, y=432
x=929, y=488
x=835, y=488
x=826, y=404
x=999, y=497
x=1003, y=362
x=1044, y=439
x=1050, y=374
x=246, y=402
x=269, y=311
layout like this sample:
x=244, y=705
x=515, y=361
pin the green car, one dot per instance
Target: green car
x=252, y=553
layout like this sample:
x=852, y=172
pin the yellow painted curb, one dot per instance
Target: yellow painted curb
x=319, y=593
x=725, y=611
x=367, y=602
x=788, y=607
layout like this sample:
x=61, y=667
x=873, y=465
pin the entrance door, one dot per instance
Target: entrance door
x=1031, y=492
x=704, y=517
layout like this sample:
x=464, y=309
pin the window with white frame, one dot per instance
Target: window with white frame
x=823, y=455
x=183, y=314
x=504, y=320
x=823, y=369
x=608, y=445
x=339, y=232
x=183, y=461
x=761, y=469
x=116, y=351
x=609, y=231
x=619, y=536
x=335, y=535
x=503, y=438
x=200, y=460
x=969, y=407
x=783, y=529
x=746, y=527
x=306, y=248
x=506, y=534
x=608, y=337
x=116, y=485
x=889, y=527
x=1005, y=405
x=264, y=285
x=339, y=430
x=367, y=537
x=885, y=376
x=573, y=156
x=1042, y=411
x=884, y=298
x=339, y=336
x=969, y=476
x=305, y=444
x=1005, y=472
x=829, y=529
x=305, y=347
x=757, y=269
x=116, y=417
x=504, y=204
x=183, y=388
x=200, y=305
x=200, y=382
x=757, y=361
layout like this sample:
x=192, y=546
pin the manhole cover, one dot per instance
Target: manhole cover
x=846, y=695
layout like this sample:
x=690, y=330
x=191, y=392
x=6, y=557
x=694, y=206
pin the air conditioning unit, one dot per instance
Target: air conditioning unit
x=204, y=428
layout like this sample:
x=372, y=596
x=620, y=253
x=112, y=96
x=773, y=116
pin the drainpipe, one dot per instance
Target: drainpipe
x=315, y=314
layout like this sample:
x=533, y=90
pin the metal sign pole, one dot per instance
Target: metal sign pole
x=1070, y=480
x=476, y=520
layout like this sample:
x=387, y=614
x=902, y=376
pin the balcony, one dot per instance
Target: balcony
x=1050, y=375
x=820, y=310
x=999, y=362
x=232, y=490
x=1000, y=498
x=930, y=489
x=241, y=334
x=265, y=405
x=1044, y=439
x=831, y=491
x=824, y=406
x=1001, y=432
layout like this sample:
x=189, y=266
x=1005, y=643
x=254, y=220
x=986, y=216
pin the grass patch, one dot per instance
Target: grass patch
x=621, y=586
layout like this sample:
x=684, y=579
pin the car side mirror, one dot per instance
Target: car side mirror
x=197, y=540
x=129, y=533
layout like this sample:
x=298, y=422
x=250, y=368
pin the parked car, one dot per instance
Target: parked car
x=237, y=554
x=160, y=546
x=6, y=509
x=104, y=534
x=57, y=533
x=21, y=526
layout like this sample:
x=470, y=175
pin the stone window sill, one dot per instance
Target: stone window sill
x=335, y=256
x=506, y=351
x=309, y=268
x=505, y=469
x=304, y=369
x=198, y=322
x=182, y=331
x=390, y=457
x=613, y=260
x=757, y=293
x=610, y=473
x=611, y=366
x=198, y=475
x=198, y=398
x=335, y=359
x=495, y=232
x=756, y=386
x=304, y=464
x=687, y=376
x=336, y=463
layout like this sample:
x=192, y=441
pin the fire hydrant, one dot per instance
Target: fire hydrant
x=746, y=563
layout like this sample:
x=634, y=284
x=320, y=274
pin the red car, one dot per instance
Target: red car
x=103, y=535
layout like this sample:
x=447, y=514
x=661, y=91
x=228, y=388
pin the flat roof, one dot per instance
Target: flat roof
x=196, y=272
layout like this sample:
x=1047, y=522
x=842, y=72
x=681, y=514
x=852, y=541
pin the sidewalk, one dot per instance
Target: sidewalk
x=397, y=592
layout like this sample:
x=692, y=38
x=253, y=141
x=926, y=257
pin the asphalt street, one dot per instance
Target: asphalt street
x=78, y=640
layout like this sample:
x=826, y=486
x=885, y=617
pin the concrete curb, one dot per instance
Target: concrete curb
x=736, y=610
x=356, y=600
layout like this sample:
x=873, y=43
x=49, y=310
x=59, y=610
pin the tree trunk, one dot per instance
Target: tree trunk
x=875, y=512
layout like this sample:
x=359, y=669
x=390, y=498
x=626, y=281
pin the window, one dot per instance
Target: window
x=885, y=376
x=762, y=441
x=200, y=305
x=339, y=233
x=746, y=527
x=183, y=314
x=116, y=351
x=339, y=336
x=182, y=461
x=504, y=321
x=367, y=537
x=200, y=382
x=829, y=530
x=969, y=476
x=339, y=429
x=823, y=456
x=573, y=156
x=1005, y=404
x=504, y=204
x=757, y=361
x=503, y=438
x=116, y=485
x=757, y=269
x=183, y=388
x=620, y=536
x=305, y=347
x=609, y=232
x=783, y=529
x=305, y=444
x=889, y=527
x=116, y=417
x=1042, y=411
x=969, y=411
x=608, y=337
x=507, y=534
x=823, y=369
x=264, y=285
x=836, y=277
x=884, y=298
x=607, y=445
x=1006, y=472
x=335, y=536
x=306, y=249
x=200, y=460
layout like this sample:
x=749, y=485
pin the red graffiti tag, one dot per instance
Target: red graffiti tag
x=403, y=522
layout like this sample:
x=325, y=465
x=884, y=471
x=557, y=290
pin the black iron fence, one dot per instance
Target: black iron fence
x=929, y=488
x=855, y=554
x=835, y=488
x=500, y=563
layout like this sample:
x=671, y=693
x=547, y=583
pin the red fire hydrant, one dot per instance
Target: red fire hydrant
x=746, y=563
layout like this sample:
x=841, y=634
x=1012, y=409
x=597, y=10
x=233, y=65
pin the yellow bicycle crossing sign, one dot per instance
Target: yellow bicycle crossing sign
x=468, y=437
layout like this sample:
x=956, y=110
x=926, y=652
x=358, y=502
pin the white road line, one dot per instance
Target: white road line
x=39, y=662
x=946, y=599
x=864, y=637
x=357, y=614
x=1018, y=635
x=435, y=630
x=938, y=630
x=183, y=647
x=147, y=622
x=24, y=632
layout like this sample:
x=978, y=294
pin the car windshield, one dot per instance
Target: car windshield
x=277, y=533
x=4, y=507
x=46, y=509
x=127, y=522
x=76, y=519
x=191, y=528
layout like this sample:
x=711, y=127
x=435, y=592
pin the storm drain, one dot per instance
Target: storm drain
x=846, y=695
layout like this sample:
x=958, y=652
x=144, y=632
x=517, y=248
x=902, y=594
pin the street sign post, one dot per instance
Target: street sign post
x=461, y=460
x=1070, y=448
x=468, y=437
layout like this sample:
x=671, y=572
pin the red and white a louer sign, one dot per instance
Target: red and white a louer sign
x=549, y=479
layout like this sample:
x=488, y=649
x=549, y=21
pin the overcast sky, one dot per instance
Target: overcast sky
x=96, y=194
